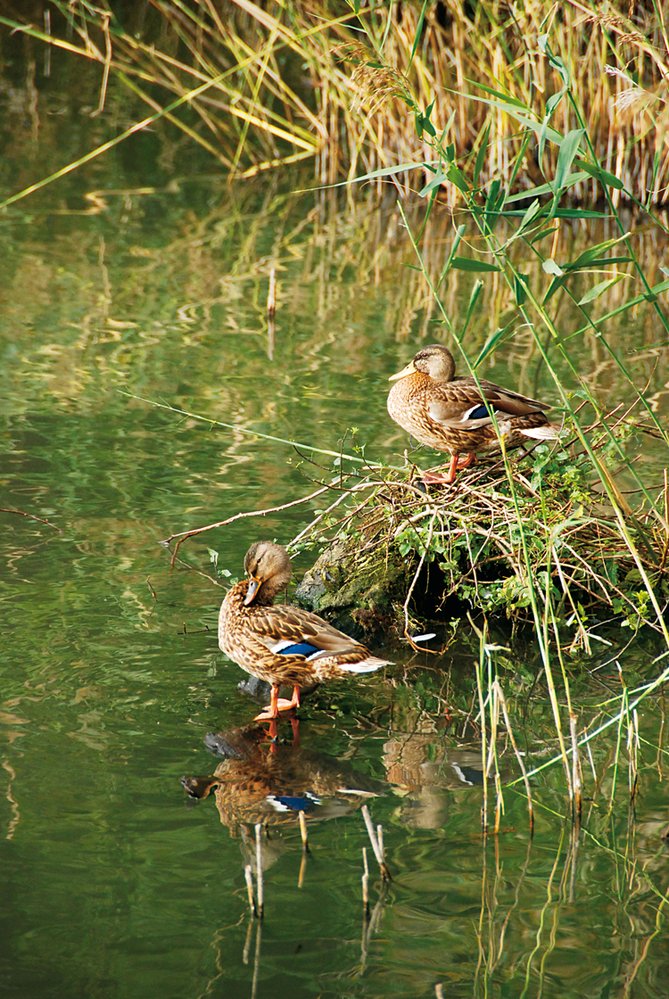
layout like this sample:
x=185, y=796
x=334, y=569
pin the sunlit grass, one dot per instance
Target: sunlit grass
x=269, y=85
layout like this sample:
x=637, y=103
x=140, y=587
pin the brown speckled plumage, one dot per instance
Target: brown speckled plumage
x=252, y=629
x=446, y=413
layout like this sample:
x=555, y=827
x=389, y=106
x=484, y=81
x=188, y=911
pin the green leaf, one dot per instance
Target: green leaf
x=579, y=213
x=389, y=171
x=481, y=153
x=605, y=261
x=468, y=264
x=492, y=200
x=562, y=213
x=459, y=233
x=599, y=289
x=498, y=93
x=471, y=307
x=419, y=30
x=553, y=102
x=554, y=286
x=568, y=150
x=535, y=192
x=492, y=342
x=530, y=214
x=458, y=179
x=542, y=235
x=656, y=290
x=603, y=176
x=520, y=286
x=593, y=253
x=512, y=110
x=436, y=181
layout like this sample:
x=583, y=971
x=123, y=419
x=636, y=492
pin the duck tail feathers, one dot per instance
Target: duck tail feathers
x=368, y=665
x=547, y=432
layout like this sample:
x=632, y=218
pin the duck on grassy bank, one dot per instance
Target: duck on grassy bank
x=454, y=414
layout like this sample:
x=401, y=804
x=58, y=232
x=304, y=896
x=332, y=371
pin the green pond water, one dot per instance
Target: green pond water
x=114, y=882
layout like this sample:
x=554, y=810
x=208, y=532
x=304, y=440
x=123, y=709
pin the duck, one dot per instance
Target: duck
x=279, y=643
x=453, y=414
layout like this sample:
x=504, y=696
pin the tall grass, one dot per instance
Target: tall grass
x=269, y=85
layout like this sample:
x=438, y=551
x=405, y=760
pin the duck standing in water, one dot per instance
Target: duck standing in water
x=454, y=414
x=279, y=643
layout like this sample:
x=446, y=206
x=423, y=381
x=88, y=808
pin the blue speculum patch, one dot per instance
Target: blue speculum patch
x=299, y=649
x=479, y=413
x=296, y=803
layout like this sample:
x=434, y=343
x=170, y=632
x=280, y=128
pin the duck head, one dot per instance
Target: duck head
x=268, y=568
x=434, y=361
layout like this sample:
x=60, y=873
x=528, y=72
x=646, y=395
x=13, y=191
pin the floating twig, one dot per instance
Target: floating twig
x=182, y=536
x=30, y=516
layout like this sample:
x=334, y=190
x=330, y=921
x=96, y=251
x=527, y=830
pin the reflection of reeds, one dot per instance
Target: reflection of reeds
x=276, y=84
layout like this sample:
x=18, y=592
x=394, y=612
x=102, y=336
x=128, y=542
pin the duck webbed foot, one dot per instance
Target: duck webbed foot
x=271, y=711
x=457, y=464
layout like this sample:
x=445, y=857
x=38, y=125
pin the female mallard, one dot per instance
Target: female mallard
x=453, y=414
x=283, y=644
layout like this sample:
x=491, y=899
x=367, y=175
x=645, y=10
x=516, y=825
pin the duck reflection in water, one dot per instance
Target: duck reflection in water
x=270, y=783
x=426, y=769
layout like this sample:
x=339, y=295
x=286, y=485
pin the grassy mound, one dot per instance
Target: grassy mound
x=535, y=538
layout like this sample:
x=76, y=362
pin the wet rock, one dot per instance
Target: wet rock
x=360, y=591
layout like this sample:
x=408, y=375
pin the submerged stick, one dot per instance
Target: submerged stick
x=365, y=883
x=377, y=843
x=271, y=313
x=576, y=781
x=633, y=754
x=521, y=764
x=271, y=294
x=259, y=874
x=248, y=875
x=303, y=831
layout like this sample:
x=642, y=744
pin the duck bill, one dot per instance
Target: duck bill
x=409, y=370
x=252, y=591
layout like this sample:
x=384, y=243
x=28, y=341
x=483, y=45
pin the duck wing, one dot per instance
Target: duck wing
x=293, y=631
x=463, y=405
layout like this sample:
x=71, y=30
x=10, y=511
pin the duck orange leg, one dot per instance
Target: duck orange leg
x=455, y=466
x=271, y=711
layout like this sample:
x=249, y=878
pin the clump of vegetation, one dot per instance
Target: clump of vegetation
x=541, y=541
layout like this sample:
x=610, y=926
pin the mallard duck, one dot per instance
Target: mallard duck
x=279, y=643
x=453, y=414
